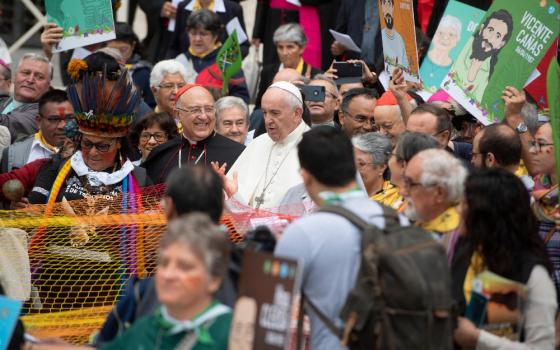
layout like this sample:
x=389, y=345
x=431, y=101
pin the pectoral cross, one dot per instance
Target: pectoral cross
x=259, y=200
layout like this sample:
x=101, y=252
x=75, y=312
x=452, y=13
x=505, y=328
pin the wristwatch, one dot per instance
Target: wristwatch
x=521, y=128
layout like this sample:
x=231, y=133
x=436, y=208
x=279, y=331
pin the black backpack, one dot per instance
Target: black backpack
x=402, y=296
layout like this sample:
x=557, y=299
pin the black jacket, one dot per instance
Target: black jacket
x=165, y=157
x=180, y=40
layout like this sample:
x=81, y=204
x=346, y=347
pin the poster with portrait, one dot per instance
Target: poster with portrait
x=504, y=50
x=263, y=310
x=398, y=36
x=457, y=24
x=497, y=305
x=83, y=22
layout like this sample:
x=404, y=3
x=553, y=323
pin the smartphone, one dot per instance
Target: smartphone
x=476, y=310
x=348, y=72
x=313, y=93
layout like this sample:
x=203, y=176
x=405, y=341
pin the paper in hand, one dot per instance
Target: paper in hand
x=345, y=40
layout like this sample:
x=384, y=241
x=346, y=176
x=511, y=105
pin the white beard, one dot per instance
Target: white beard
x=410, y=211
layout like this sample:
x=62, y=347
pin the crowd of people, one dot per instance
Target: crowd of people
x=135, y=114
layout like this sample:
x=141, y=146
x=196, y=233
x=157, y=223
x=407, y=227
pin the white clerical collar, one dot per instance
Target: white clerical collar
x=180, y=326
x=97, y=178
x=295, y=135
x=219, y=6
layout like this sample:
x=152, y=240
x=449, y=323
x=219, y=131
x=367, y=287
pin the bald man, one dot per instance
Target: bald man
x=199, y=144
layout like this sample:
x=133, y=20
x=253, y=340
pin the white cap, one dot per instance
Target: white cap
x=291, y=88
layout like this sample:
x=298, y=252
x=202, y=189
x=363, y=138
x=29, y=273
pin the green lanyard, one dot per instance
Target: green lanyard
x=337, y=198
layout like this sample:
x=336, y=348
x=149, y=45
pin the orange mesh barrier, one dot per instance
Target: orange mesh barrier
x=84, y=252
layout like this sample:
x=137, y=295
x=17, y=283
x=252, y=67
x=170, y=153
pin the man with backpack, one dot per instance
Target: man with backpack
x=329, y=245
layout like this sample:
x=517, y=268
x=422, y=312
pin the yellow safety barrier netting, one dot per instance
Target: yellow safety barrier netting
x=82, y=254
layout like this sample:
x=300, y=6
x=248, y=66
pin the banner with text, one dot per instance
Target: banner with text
x=508, y=44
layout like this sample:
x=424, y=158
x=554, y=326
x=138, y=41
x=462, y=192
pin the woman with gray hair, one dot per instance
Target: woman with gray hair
x=371, y=154
x=193, y=261
x=290, y=41
x=166, y=78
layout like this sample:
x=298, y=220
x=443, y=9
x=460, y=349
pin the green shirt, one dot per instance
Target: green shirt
x=462, y=68
x=154, y=332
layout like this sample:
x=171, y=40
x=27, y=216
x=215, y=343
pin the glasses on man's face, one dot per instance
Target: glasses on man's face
x=538, y=145
x=55, y=119
x=197, y=110
x=408, y=183
x=102, y=147
x=169, y=86
x=158, y=136
x=362, y=119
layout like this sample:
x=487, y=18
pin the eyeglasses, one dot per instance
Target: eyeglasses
x=439, y=132
x=362, y=119
x=100, y=146
x=408, y=183
x=362, y=165
x=537, y=145
x=55, y=119
x=239, y=123
x=158, y=136
x=197, y=110
x=169, y=86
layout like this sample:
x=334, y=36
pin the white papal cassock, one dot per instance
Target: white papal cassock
x=268, y=169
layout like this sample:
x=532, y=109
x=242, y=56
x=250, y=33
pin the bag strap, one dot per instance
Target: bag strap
x=347, y=214
x=306, y=303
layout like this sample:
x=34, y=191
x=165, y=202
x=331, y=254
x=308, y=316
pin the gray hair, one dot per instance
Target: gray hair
x=228, y=102
x=39, y=58
x=453, y=23
x=163, y=68
x=205, y=239
x=440, y=167
x=410, y=143
x=324, y=77
x=378, y=146
x=530, y=117
x=291, y=32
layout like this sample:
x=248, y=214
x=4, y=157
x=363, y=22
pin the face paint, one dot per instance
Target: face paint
x=61, y=112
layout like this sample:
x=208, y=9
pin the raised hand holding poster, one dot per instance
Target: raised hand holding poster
x=84, y=22
x=399, y=38
x=508, y=44
x=458, y=23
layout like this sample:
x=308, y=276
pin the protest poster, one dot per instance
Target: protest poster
x=457, y=24
x=263, y=308
x=497, y=305
x=83, y=22
x=508, y=44
x=399, y=38
x=9, y=314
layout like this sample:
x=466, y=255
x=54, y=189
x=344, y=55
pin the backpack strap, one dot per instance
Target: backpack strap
x=307, y=304
x=347, y=214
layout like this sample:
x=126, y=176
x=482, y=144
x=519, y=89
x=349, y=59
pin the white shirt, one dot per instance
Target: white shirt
x=38, y=151
x=281, y=175
x=394, y=47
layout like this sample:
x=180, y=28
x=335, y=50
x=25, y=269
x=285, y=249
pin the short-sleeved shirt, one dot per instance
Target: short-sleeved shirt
x=328, y=246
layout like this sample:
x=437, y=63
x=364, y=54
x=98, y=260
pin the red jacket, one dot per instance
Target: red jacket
x=26, y=174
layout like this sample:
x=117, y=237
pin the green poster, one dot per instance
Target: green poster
x=508, y=44
x=84, y=22
x=229, y=59
x=455, y=28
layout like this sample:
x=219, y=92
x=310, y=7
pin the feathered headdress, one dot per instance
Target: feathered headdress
x=102, y=110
